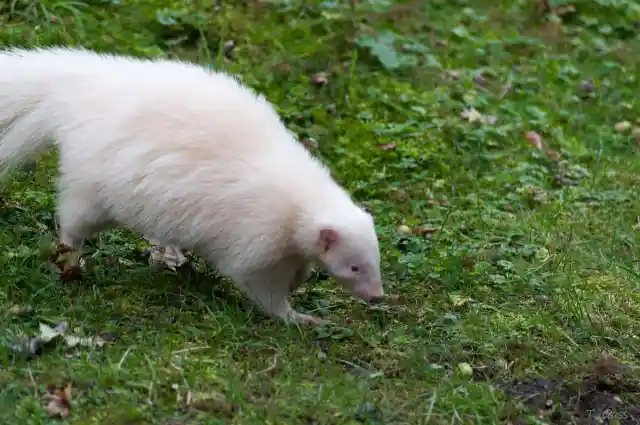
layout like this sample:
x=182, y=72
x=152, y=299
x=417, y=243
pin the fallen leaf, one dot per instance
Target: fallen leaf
x=427, y=230
x=73, y=340
x=320, y=79
x=386, y=146
x=11, y=204
x=33, y=346
x=458, y=300
x=173, y=257
x=555, y=155
x=59, y=401
x=535, y=139
x=70, y=274
x=67, y=262
x=20, y=309
x=58, y=255
x=165, y=256
x=90, y=341
x=228, y=47
x=309, y=143
x=480, y=80
x=622, y=126
x=29, y=346
x=472, y=115
x=47, y=333
x=453, y=74
x=538, y=195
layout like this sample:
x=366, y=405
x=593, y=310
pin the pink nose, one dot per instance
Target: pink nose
x=370, y=293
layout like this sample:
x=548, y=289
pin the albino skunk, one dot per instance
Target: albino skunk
x=190, y=158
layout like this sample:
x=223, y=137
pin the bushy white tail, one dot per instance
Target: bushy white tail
x=26, y=123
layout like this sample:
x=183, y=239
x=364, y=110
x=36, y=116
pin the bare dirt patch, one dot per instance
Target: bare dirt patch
x=606, y=392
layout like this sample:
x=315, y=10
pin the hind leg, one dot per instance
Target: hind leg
x=303, y=273
x=161, y=255
x=80, y=217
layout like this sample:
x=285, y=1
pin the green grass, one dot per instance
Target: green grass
x=532, y=271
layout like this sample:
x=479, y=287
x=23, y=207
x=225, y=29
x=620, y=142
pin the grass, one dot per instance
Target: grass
x=522, y=263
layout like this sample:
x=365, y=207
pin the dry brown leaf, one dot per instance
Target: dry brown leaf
x=59, y=401
x=309, y=143
x=423, y=231
x=386, y=146
x=536, y=140
x=10, y=204
x=63, y=259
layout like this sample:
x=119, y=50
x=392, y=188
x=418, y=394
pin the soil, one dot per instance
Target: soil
x=607, y=392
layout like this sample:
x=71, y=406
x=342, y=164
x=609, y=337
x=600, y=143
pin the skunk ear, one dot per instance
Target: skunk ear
x=328, y=238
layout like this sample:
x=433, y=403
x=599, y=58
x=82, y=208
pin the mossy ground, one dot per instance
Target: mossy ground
x=526, y=267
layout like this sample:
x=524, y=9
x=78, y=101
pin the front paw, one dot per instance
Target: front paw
x=304, y=319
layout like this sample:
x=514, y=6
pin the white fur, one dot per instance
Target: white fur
x=187, y=157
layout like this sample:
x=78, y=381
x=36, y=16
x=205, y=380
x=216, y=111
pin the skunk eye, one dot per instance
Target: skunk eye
x=355, y=269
